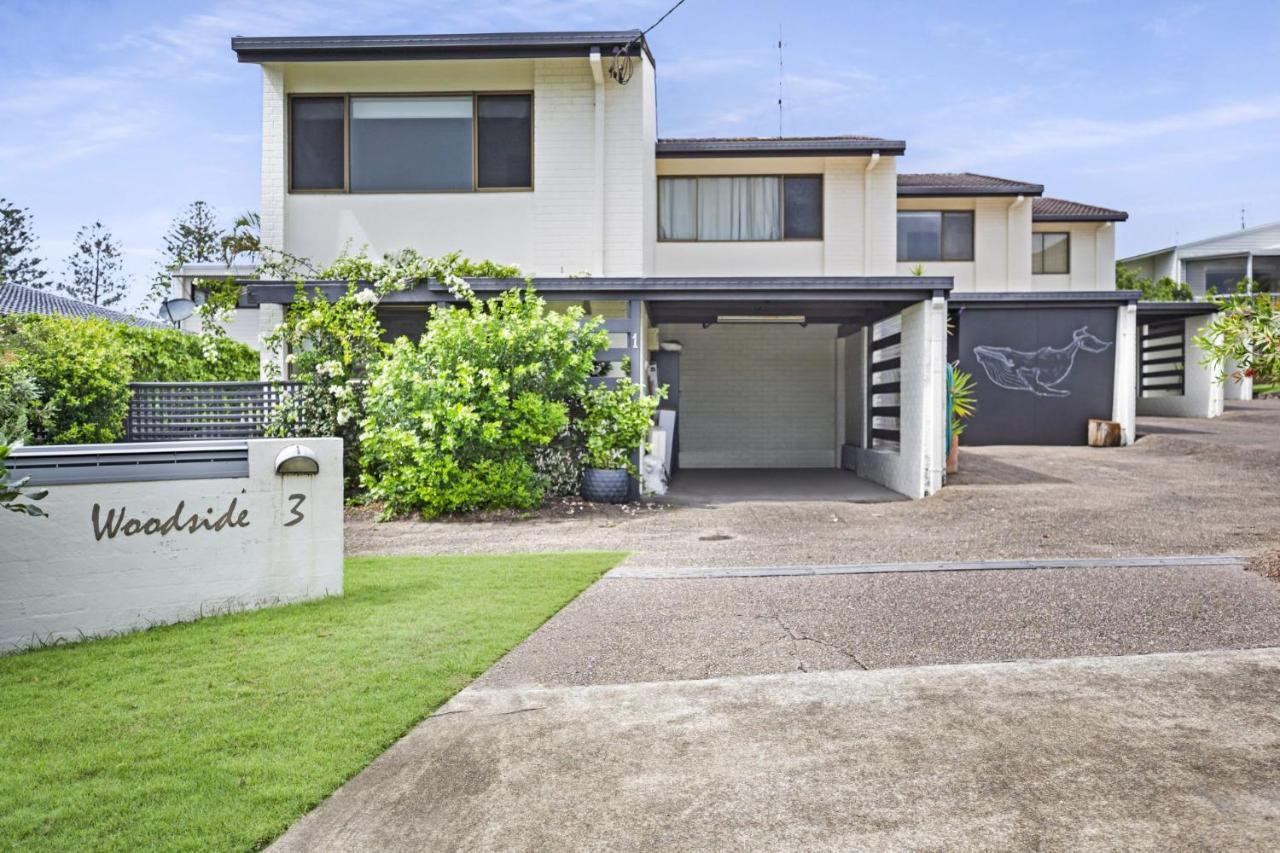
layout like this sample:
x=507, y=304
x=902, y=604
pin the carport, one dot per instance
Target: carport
x=766, y=374
x=821, y=388
x=1170, y=379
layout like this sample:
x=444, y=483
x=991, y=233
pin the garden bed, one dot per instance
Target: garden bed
x=216, y=735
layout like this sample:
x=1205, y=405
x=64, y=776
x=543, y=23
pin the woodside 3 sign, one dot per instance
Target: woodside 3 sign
x=125, y=553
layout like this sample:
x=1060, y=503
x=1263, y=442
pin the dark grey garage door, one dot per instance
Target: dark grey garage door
x=1039, y=373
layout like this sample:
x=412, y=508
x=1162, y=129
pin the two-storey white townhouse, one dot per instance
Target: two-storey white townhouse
x=795, y=293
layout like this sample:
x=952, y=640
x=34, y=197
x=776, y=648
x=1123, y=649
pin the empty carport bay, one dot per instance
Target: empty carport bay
x=772, y=395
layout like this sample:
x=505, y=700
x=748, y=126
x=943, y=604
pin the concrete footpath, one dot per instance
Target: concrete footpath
x=1154, y=752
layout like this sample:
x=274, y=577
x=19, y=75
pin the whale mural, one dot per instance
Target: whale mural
x=1041, y=371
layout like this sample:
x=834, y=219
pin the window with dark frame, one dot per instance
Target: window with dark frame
x=740, y=208
x=317, y=143
x=935, y=235
x=411, y=143
x=1050, y=252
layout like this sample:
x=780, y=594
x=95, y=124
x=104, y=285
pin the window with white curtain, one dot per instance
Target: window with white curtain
x=740, y=208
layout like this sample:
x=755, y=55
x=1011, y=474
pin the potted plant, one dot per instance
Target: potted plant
x=614, y=423
x=964, y=402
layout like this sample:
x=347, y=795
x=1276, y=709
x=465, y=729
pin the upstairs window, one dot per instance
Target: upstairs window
x=740, y=208
x=317, y=142
x=411, y=143
x=935, y=235
x=1050, y=253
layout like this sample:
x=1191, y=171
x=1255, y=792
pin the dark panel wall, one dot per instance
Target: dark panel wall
x=1039, y=373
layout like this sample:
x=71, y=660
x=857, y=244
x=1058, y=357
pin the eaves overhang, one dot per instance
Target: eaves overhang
x=808, y=146
x=903, y=289
x=259, y=49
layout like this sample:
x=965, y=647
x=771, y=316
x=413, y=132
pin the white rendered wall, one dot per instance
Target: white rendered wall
x=1092, y=257
x=915, y=469
x=1203, y=394
x=859, y=222
x=756, y=396
x=59, y=581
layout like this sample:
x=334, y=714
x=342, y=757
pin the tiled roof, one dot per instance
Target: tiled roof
x=16, y=299
x=1061, y=210
x=934, y=184
x=779, y=146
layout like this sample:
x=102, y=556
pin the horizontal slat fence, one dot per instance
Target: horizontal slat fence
x=1163, y=367
x=884, y=379
x=181, y=411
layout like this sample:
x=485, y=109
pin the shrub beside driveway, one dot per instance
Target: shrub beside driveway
x=216, y=735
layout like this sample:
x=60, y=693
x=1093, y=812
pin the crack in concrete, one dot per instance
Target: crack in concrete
x=797, y=638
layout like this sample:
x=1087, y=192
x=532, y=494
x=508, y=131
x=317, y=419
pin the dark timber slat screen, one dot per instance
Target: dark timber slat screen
x=1163, y=360
x=884, y=380
x=181, y=411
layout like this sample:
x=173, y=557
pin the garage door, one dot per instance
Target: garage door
x=756, y=396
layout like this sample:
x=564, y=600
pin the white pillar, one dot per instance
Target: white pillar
x=1124, y=395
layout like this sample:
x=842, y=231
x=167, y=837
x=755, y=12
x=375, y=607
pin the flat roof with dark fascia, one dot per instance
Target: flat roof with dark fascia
x=780, y=146
x=1174, y=310
x=904, y=289
x=943, y=184
x=1061, y=210
x=1045, y=299
x=437, y=46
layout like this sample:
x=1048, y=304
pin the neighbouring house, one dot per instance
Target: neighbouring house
x=801, y=296
x=17, y=299
x=187, y=283
x=1217, y=264
x=1212, y=265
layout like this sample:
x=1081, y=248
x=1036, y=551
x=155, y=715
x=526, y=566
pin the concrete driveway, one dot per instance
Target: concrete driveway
x=1188, y=487
x=1159, y=752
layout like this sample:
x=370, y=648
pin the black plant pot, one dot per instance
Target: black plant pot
x=606, y=485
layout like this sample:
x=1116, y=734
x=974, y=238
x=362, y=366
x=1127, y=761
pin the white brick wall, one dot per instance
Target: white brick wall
x=756, y=396
x=1203, y=395
x=564, y=134
x=273, y=157
x=916, y=468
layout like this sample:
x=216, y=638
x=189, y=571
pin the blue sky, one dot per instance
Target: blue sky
x=127, y=111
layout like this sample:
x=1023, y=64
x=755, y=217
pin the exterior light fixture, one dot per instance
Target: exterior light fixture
x=296, y=459
x=751, y=319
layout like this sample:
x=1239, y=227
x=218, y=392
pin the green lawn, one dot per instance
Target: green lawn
x=216, y=735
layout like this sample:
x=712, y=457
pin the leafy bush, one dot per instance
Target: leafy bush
x=1245, y=330
x=20, y=406
x=82, y=367
x=615, y=421
x=333, y=346
x=455, y=420
x=964, y=398
x=1165, y=290
x=15, y=495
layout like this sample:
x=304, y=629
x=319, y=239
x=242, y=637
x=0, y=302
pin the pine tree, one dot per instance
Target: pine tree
x=95, y=268
x=193, y=238
x=18, y=261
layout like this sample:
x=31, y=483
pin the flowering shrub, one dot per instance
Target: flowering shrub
x=333, y=347
x=455, y=420
x=1245, y=330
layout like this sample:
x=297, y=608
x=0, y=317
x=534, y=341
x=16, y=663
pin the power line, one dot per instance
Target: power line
x=620, y=67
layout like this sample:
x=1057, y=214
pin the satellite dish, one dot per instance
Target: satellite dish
x=176, y=310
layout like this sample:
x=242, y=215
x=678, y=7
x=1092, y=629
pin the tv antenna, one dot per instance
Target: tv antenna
x=779, y=80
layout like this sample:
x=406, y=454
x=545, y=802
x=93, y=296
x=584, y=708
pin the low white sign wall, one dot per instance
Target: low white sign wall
x=128, y=553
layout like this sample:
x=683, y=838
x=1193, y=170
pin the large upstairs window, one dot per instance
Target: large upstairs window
x=935, y=235
x=411, y=143
x=740, y=208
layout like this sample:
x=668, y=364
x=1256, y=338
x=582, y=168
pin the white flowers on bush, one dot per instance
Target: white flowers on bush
x=366, y=297
x=329, y=368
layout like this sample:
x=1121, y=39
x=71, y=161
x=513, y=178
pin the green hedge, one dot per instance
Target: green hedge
x=82, y=369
